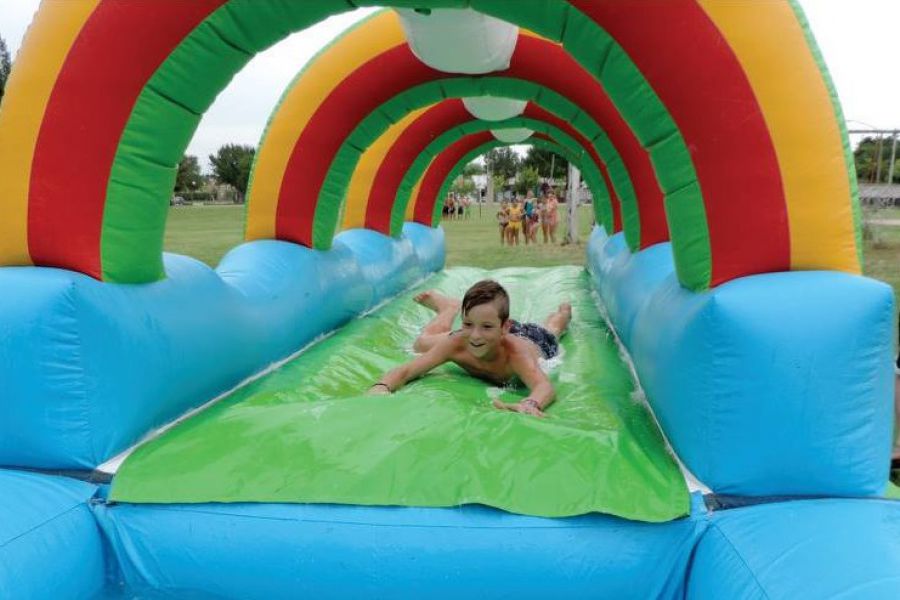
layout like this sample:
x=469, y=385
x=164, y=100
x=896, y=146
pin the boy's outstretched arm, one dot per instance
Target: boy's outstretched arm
x=540, y=389
x=397, y=378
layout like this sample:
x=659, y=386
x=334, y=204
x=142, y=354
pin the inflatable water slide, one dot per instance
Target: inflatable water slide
x=167, y=430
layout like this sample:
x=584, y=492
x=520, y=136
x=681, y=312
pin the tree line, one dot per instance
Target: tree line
x=505, y=164
x=5, y=66
x=231, y=165
x=873, y=160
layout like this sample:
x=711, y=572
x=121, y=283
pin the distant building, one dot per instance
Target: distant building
x=879, y=194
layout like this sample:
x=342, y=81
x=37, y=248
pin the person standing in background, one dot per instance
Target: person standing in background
x=503, y=220
x=552, y=210
x=529, y=211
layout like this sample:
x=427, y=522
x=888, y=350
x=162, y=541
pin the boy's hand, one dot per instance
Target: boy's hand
x=379, y=389
x=526, y=406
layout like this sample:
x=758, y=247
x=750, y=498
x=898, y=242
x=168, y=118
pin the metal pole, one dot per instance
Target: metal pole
x=574, y=177
x=878, y=161
x=552, y=167
x=893, y=157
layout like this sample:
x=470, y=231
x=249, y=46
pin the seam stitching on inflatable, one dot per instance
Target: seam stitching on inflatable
x=177, y=103
x=41, y=524
x=71, y=293
x=181, y=508
x=715, y=527
x=217, y=31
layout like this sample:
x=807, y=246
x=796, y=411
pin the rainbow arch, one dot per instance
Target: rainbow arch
x=89, y=367
x=97, y=203
x=449, y=164
x=363, y=187
x=295, y=159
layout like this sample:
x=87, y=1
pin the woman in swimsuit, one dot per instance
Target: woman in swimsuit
x=542, y=212
x=552, y=216
x=503, y=220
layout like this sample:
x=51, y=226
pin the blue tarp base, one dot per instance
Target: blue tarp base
x=848, y=549
x=271, y=551
x=50, y=546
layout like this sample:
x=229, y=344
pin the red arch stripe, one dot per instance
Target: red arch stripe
x=692, y=68
x=560, y=72
x=429, y=126
x=351, y=101
x=437, y=172
x=421, y=132
x=536, y=112
x=396, y=70
x=115, y=54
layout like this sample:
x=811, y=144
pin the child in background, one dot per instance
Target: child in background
x=516, y=216
x=529, y=211
x=503, y=220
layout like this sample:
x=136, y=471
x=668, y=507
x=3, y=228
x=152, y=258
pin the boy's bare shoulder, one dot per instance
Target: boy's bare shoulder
x=454, y=342
x=521, y=349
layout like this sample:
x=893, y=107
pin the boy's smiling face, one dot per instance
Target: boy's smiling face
x=482, y=330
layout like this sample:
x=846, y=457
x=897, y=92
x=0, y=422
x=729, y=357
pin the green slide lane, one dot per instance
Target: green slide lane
x=306, y=433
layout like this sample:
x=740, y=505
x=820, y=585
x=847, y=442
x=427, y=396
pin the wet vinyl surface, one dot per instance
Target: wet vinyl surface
x=308, y=433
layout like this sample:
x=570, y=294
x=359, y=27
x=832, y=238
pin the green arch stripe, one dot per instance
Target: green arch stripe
x=565, y=145
x=580, y=160
x=595, y=50
x=248, y=198
x=392, y=111
x=165, y=116
x=456, y=170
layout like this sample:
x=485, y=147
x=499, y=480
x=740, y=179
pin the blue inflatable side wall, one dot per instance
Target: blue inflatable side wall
x=329, y=551
x=775, y=384
x=88, y=368
x=848, y=549
x=50, y=545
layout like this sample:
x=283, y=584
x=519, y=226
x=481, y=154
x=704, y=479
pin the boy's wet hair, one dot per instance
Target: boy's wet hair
x=485, y=292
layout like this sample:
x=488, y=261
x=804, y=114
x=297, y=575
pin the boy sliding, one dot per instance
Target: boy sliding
x=490, y=345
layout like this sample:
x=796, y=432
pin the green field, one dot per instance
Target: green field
x=207, y=232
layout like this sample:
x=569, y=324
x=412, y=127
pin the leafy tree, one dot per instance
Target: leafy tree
x=867, y=156
x=189, y=177
x=527, y=179
x=463, y=186
x=542, y=160
x=502, y=161
x=5, y=66
x=232, y=164
x=473, y=168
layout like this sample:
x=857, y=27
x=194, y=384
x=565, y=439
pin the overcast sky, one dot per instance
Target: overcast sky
x=856, y=38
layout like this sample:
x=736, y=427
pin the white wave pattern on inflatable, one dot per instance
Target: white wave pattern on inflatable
x=459, y=40
x=513, y=135
x=492, y=108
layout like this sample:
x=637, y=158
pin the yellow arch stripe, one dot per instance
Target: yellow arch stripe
x=801, y=119
x=360, y=187
x=303, y=97
x=44, y=50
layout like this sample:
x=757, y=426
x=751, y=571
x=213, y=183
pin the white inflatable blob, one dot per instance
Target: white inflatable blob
x=459, y=40
x=513, y=135
x=492, y=108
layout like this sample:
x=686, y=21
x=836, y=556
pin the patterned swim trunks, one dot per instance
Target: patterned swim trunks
x=532, y=332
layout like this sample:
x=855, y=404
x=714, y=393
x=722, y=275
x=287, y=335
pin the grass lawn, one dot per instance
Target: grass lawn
x=207, y=232
x=204, y=232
